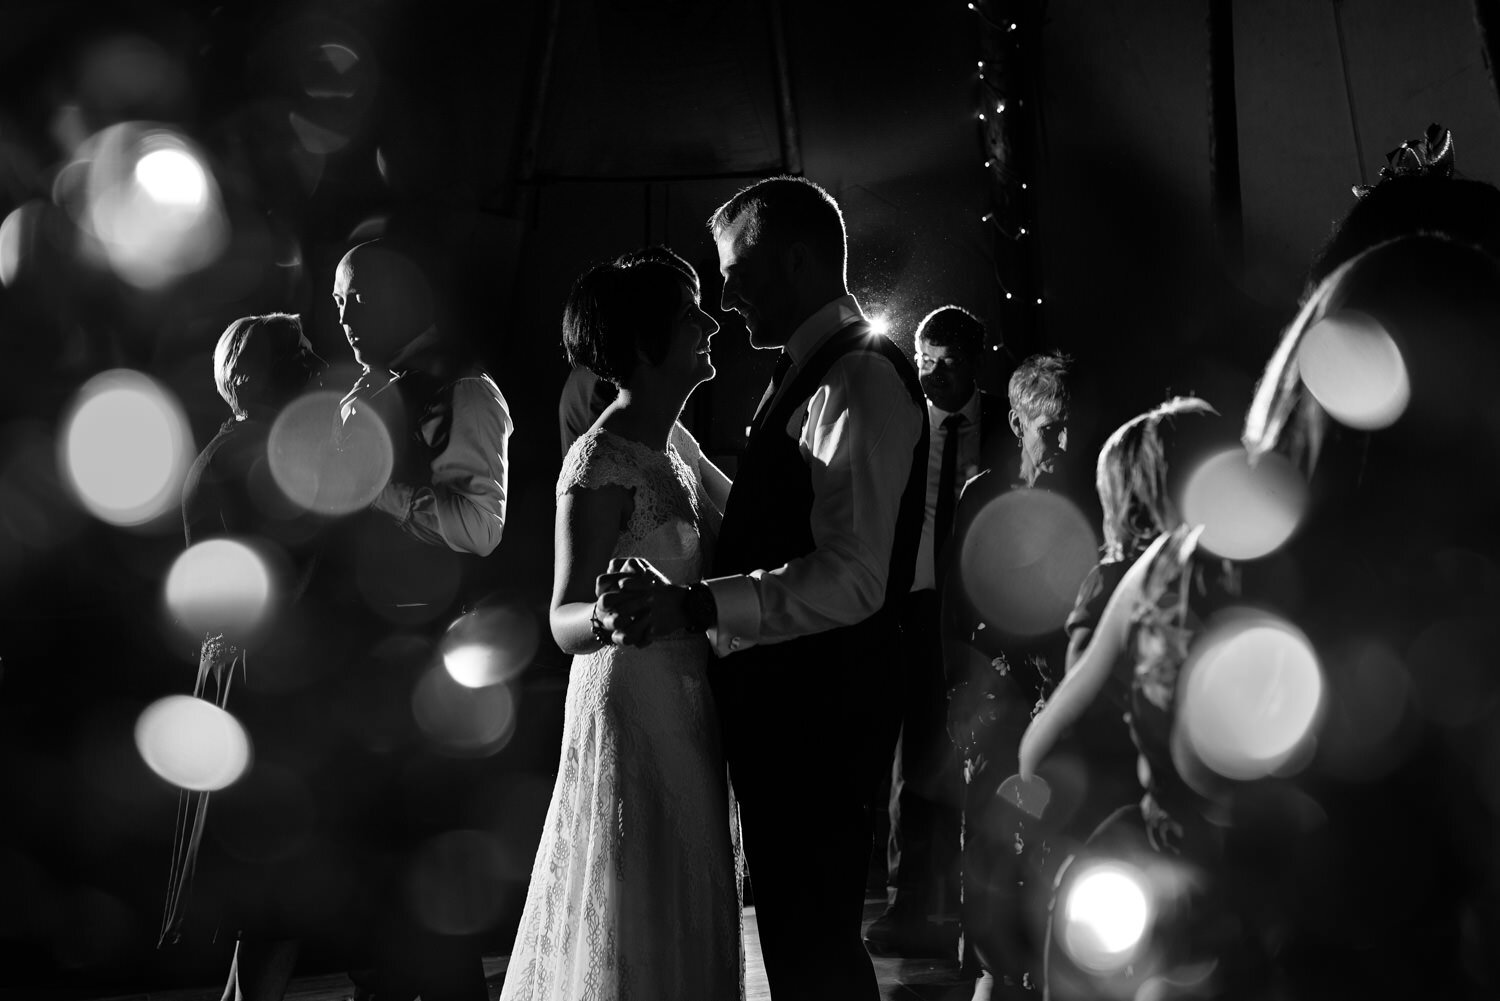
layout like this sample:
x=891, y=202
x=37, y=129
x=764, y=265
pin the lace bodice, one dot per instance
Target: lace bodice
x=672, y=522
x=640, y=850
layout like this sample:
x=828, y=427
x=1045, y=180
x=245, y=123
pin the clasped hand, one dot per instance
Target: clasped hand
x=635, y=604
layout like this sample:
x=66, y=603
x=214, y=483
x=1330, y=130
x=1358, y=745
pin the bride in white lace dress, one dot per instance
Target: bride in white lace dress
x=635, y=888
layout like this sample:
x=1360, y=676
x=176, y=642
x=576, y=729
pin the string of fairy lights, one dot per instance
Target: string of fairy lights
x=1006, y=119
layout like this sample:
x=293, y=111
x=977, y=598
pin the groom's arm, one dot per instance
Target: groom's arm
x=858, y=440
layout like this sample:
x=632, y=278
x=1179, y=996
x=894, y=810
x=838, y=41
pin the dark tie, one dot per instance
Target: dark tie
x=947, y=489
x=783, y=364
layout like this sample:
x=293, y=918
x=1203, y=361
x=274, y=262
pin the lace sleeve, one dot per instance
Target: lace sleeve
x=594, y=461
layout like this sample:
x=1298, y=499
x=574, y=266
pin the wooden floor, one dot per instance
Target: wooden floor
x=900, y=979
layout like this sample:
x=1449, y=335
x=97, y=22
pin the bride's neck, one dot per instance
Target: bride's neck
x=643, y=415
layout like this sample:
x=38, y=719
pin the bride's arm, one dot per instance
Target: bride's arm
x=588, y=525
x=1081, y=685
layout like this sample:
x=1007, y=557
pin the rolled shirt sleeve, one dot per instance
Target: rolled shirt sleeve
x=464, y=507
x=858, y=438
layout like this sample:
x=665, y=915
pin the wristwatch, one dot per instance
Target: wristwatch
x=699, y=610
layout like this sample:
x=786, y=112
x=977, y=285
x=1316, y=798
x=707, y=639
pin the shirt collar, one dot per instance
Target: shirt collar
x=420, y=354
x=936, y=414
x=823, y=324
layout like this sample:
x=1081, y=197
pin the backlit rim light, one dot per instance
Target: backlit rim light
x=125, y=448
x=1251, y=696
x=1354, y=369
x=1105, y=916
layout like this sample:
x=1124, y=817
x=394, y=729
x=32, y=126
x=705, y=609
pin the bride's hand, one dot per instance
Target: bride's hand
x=621, y=616
x=638, y=612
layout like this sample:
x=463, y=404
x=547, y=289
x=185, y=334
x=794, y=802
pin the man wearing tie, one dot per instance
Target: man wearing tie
x=968, y=432
x=815, y=555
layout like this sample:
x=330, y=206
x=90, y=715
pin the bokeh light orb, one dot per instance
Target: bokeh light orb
x=1105, y=915
x=192, y=743
x=463, y=721
x=150, y=203
x=220, y=586
x=1024, y=559
x=126, y=448
x=17, y=233
x=490, y=645
x=1251, y=695
x=1246, y=511
x=1354, y=368
x=457, y=882
x=323, y=466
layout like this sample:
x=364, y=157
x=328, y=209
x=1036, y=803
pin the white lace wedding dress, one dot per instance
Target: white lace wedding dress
x=635, y=888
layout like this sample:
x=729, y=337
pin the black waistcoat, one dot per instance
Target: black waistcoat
x=768, y=520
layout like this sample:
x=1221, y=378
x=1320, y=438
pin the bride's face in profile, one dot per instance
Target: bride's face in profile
x=687, y=356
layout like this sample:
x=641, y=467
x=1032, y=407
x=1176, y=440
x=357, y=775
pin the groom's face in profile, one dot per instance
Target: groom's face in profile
x=755, y=285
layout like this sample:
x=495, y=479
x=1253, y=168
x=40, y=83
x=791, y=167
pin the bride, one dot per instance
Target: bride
x=635, y=887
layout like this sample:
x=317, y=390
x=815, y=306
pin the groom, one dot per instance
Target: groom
x=817, y=548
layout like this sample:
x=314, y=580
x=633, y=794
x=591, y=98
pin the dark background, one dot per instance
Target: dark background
x=517, y=161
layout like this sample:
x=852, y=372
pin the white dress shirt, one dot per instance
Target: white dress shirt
x=463, y=506
x=856, y=433
x=968, y=467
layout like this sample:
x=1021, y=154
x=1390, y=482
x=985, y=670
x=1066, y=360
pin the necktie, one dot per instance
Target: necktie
x=783, y=364
x=947, y=489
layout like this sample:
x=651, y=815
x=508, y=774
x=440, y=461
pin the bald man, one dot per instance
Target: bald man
x=414, y=561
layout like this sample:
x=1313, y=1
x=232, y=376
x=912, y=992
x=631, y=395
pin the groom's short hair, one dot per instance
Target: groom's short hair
x=785, y=210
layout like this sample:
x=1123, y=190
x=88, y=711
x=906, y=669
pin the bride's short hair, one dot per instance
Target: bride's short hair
x=625, y=306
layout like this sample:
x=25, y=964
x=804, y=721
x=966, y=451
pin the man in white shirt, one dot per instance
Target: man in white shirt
x=967, y=433
x=438, y=513
x=817, y=548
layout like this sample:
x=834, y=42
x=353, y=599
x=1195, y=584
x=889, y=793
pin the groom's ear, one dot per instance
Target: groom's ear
x=795, y=259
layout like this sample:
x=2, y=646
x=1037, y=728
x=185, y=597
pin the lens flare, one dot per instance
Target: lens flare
x=466, y=722
x=1354, y=369
x=880, y=324
x=192, y=743
x=325, y=467
x=1246, y=511
x=1105, y=916
x=490, y=645
x=220, y=586
x=1023, y=560
x=172, y=177
x=1251, y=695
x=125, y=449
x=457, y=884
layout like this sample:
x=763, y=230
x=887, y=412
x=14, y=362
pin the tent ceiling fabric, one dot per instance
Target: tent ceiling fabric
x=643, y=89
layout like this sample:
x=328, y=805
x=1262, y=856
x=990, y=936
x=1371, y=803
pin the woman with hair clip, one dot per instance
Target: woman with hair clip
x=1361, y=864
x=635, y=888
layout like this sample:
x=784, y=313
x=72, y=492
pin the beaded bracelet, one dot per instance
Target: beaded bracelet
x=604, y=636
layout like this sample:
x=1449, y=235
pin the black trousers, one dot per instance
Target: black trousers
x=927, y=785
x=809, y=729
